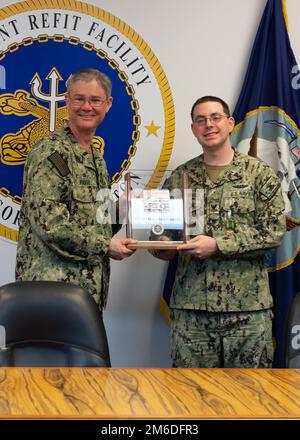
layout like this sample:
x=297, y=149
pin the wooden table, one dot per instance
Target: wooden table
x=136, y=393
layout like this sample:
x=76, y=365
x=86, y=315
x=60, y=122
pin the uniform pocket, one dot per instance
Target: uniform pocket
x=240, y=209
x=84, y=194
x=238, y=203
x=84, y=204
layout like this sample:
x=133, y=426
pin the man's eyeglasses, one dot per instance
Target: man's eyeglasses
x=215, y=118
x=94, y=102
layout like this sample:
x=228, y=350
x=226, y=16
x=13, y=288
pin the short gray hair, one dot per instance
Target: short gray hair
x=88, y=75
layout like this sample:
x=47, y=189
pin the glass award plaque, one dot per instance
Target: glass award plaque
x=157, y=218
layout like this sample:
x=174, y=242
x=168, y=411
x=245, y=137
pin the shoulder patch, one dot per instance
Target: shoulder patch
x=269, y=188
x=59, y=163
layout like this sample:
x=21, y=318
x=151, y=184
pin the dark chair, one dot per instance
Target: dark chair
x=51, y=324
x=292, y=335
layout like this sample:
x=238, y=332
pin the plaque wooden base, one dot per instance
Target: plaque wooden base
x=163, y=245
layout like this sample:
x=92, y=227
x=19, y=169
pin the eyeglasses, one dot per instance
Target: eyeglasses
x=93, y=102
x=215, y=118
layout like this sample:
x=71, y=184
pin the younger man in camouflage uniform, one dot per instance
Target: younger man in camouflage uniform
x=59, y=236
x=221, y=304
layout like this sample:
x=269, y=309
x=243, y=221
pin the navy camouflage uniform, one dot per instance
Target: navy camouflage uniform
x=59, y=237
x=221, y=307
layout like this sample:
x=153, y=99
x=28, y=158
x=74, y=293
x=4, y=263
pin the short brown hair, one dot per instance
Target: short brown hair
x=209, y=99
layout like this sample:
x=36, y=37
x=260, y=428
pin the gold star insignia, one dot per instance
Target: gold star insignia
x=152, y=128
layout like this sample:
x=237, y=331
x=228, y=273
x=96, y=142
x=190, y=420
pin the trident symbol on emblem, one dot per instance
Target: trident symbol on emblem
x=53, y=97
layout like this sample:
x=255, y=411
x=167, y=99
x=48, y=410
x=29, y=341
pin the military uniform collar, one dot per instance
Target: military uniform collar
x=81, y=154
x=231, y=172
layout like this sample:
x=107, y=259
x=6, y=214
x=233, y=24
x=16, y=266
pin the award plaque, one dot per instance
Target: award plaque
x=156, y=217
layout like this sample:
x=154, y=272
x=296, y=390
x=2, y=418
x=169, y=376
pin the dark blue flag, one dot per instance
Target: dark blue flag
x=267, y=118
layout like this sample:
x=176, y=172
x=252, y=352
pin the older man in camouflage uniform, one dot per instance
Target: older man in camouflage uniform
x=60, y=238
x=221, y=303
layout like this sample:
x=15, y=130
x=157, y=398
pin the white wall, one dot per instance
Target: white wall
x=203, y=47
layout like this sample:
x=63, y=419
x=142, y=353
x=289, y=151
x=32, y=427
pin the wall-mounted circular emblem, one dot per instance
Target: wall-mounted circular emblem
x=39, y=49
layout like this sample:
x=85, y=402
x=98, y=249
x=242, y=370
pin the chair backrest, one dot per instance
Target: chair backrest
x=292, y=335
x=51, y=324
